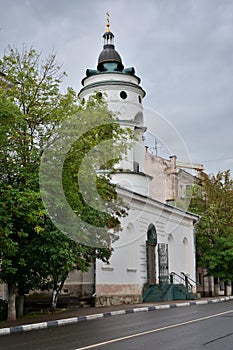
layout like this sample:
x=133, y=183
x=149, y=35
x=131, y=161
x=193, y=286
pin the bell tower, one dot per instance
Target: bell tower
x=123, y=94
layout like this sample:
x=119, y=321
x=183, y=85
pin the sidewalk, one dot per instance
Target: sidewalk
x=78, y=314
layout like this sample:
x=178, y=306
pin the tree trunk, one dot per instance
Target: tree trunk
x=55, y=295
x=12, y=289
x=216, y=287
x=56, y=291
x=228, y=290
x=20, y=305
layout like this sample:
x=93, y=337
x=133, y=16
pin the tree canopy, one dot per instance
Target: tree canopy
x=33, y=113
x=213, y=201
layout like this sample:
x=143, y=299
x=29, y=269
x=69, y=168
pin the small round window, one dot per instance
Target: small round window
x=123, y=95
x=99, y=94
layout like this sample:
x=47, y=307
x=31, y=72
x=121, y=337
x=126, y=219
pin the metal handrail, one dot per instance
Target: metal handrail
x=176, y=274
x=190, y=279
x=184, y=279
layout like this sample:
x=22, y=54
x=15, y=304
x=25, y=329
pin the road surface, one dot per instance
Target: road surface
x=185, y=328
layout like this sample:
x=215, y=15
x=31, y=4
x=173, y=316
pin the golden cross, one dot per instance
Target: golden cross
x=108, y=22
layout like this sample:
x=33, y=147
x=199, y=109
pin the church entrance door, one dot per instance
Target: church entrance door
x=151, y=257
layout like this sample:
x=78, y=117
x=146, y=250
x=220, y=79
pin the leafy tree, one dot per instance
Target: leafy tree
x=34, y=254
x=21, y=214
x=213, y=201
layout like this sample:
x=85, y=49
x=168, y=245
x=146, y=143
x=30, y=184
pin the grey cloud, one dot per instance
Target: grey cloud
x=181, y=49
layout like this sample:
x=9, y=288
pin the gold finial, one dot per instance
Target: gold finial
x=108, y=22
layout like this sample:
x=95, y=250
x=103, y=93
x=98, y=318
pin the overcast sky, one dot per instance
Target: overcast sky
x=181, y=49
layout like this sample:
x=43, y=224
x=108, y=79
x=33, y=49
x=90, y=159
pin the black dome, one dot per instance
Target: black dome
x=109, y=54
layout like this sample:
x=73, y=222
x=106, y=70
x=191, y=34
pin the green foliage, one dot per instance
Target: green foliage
x=214, y=202
x=88, y=168
x=34, y=253
x=58, y=256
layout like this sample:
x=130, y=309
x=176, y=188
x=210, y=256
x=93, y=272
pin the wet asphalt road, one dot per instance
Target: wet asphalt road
x=185, y=328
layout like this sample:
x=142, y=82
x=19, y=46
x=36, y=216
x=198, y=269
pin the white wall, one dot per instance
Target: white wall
x=3, y=291
x=129, y=110
x=127, y=272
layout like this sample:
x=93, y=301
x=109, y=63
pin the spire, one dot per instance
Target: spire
x=109, y=58
x=108, y=35
x=107, y=22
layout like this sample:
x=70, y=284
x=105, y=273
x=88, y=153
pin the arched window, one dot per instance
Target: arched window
x=151, y=234
x=139, y=119
x=131, y=249
x=186, y=260
x=171, y=252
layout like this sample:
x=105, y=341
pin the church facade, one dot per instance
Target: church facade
x=157, y=239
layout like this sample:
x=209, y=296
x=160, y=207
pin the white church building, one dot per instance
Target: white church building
x=157, y=243
x=154, y=258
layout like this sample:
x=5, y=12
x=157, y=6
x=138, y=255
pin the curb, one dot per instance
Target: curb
x=74, y=320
